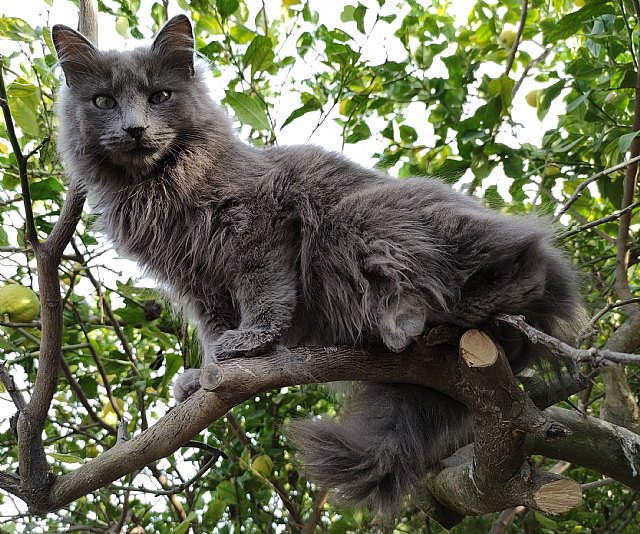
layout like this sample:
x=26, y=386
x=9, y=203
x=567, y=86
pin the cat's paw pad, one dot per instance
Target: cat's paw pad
x=186, y=384
x=244, y=343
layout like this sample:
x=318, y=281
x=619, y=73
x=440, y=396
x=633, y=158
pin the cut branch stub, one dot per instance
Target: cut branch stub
x=495, y=474
x=558, y=496
x=477, y=349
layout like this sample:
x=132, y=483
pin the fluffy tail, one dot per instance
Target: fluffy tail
x=387, y=439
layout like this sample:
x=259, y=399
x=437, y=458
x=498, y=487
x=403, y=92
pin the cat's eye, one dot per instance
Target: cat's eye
x=104, y=102
x=160, y=97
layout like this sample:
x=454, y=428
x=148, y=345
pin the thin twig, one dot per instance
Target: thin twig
x=177, y=489
x=581, y=187
x=15, y=393
x=593, y=355
x=516, y=42
x=615, y=215
x=598, y=484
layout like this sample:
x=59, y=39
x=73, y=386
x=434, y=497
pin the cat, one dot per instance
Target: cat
x=299, y=246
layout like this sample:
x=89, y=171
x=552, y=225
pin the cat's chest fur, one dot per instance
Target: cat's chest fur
x=195, y=245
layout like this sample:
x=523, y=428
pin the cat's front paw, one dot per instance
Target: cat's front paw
x=186, y=384
x=244, y=343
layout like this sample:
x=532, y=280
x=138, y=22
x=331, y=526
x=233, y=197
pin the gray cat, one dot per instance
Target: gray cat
x=299, y=246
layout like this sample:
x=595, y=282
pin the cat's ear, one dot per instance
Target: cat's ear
x=175, y=42
x=76, y=54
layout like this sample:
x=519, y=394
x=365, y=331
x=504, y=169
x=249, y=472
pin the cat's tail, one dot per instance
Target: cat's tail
x=387, y=439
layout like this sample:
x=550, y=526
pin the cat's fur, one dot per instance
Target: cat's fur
x=298, y=245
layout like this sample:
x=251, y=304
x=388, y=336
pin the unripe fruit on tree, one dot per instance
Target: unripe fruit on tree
x=508, y=37
x=532, y=98
x=552, y=170
x=19, y=303
x=263, y=464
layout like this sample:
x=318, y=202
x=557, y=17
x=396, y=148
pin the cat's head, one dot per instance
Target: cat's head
x=132, y=109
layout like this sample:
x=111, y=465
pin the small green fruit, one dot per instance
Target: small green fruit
x=552, y=170
x=532, y=98
x=508, y=37
x=263, y=464
x=20, y=303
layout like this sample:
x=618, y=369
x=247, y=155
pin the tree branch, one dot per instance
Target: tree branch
x=234, y=381
x=593, y=355
x=629, y=190
x=35, y=474
x=604, y=447
x=583, y=185
x=514, y=48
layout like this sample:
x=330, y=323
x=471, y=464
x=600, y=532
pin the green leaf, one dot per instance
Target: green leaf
x=408, y=134
x=311, y=103
x=354, y=14
x=546, y=522
x=157, y=14
x=358, y=16
x=46, y=189
x=347, y=13
x=547, y=96
x=570, y=24
x=503, y=87
x=227, y=491
x=227, y=7
x=359, y=133
x=24, y=103
x=89, y=385
x=249, y=111
x=214, y=512
x=183, y=527
x=259, y=54
x=172, y=366
x=66, y=458
x=122, y=25
x=16, y=29
x=4, y=238
x=624, y=141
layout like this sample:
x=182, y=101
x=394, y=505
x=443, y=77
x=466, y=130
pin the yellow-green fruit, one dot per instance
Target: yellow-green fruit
x=508, y=37
x=263, y=464
x=552, y=170
x=20, y=303
x=532, y=98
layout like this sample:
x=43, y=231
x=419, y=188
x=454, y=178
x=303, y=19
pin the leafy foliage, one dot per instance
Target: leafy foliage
x=444, y=100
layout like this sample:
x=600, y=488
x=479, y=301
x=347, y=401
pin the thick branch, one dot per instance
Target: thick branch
x=238, y=380
x=497, y=476
x=620, y=406
x=606, y=448
x=35, y=474
x=232, y=382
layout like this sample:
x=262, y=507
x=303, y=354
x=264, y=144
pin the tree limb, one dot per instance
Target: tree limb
x=593, y=355
x=604, y=447
x=234, y=381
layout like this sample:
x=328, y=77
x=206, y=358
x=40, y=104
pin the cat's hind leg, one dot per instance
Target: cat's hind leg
x=400, y=322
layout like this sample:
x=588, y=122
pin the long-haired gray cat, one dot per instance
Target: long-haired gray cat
x=297, y=245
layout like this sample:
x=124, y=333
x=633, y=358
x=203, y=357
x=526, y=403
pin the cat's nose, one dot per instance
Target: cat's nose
x=135, y=131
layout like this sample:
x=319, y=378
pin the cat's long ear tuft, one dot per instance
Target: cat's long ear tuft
x=76, y=54
x=175, y=42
